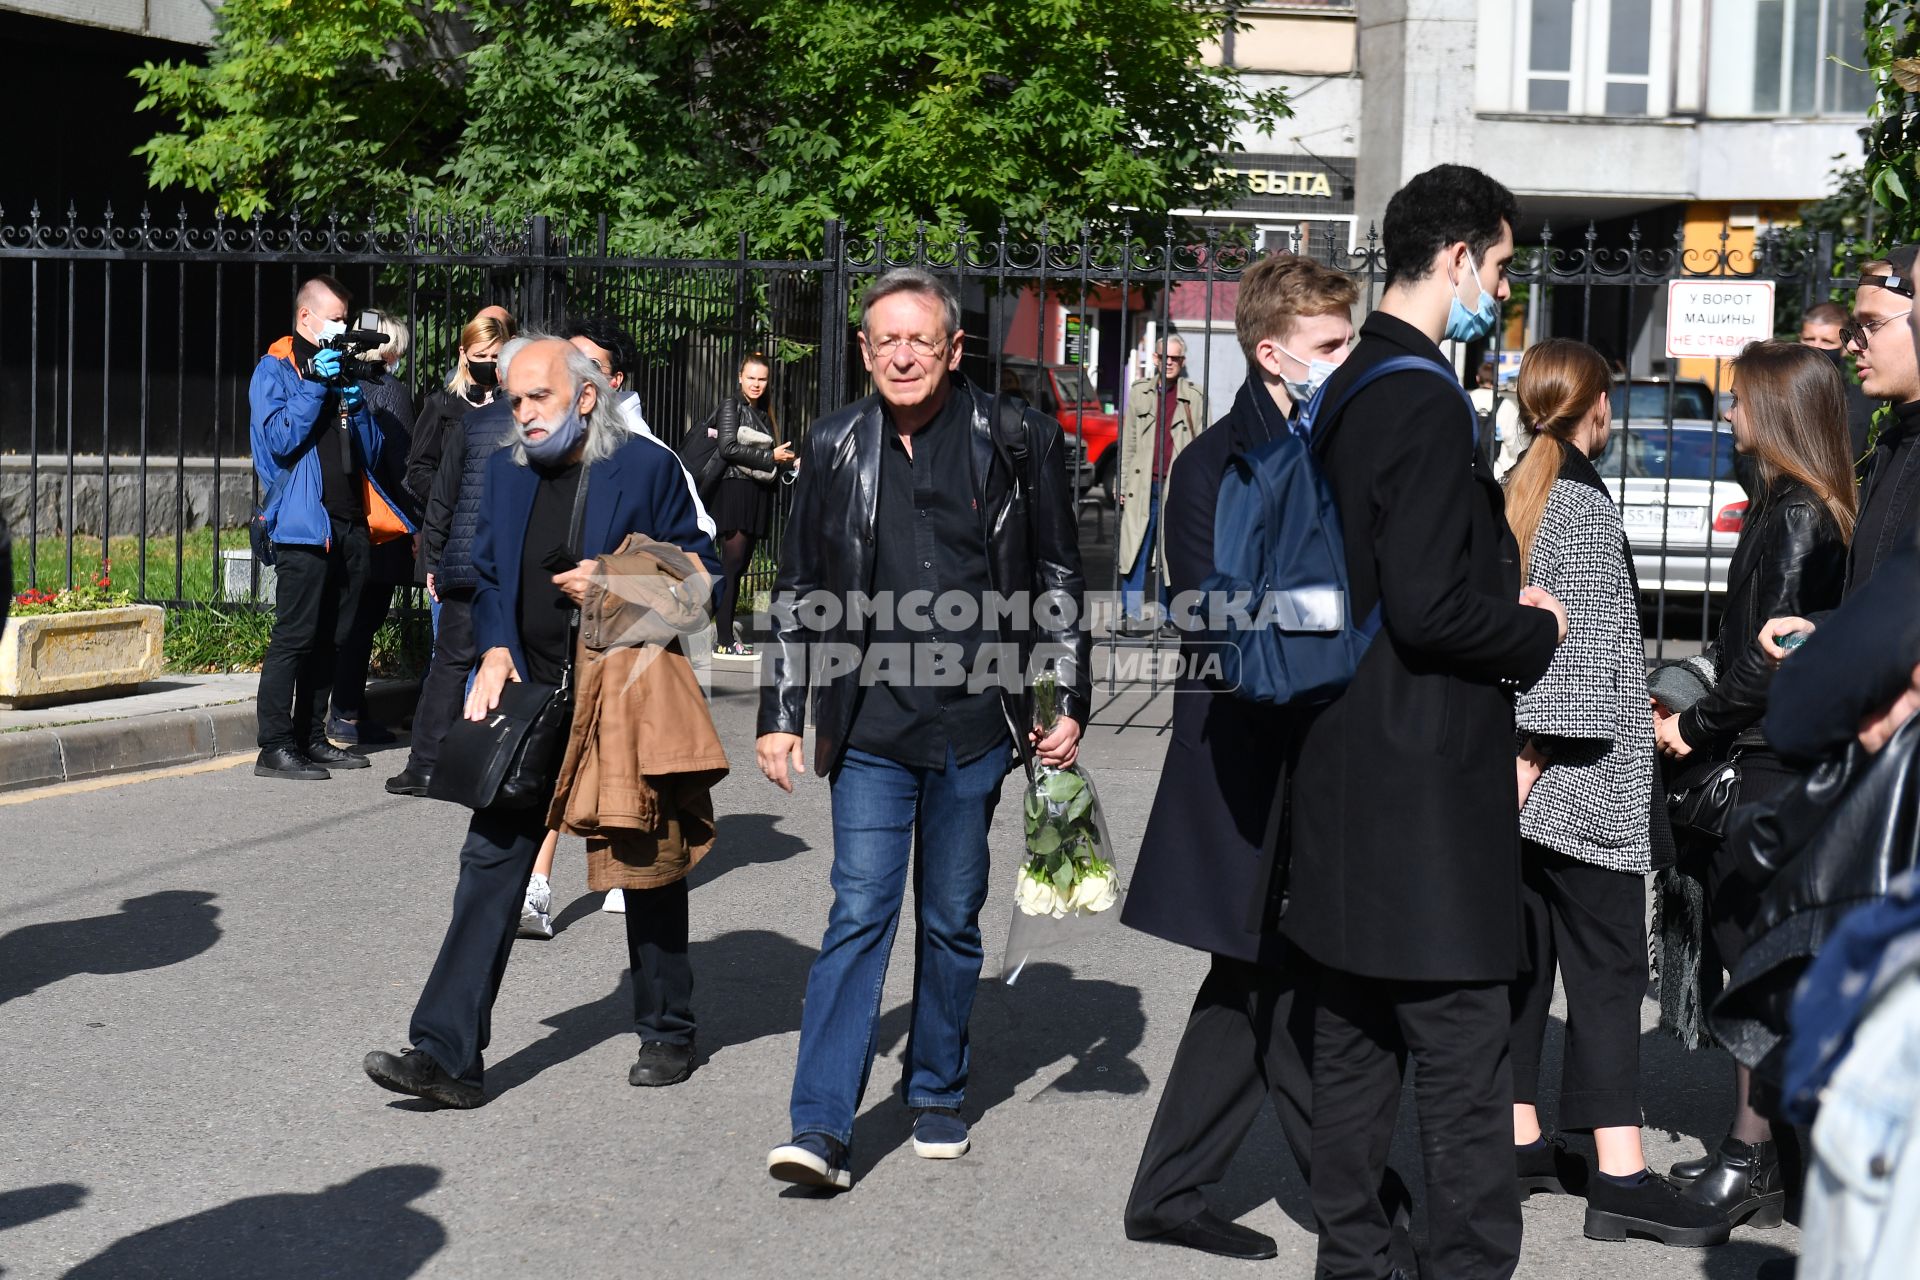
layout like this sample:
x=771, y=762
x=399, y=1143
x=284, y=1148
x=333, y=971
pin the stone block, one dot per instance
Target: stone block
x=70, y=657
x=236, y=577
x=31, y=759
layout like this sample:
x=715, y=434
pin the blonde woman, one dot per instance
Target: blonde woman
x=1586, y=790
x=471, y=384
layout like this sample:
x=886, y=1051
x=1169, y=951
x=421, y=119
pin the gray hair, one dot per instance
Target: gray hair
x=911, y=280
x=606, y=428
x=399, y=336
x=1160, y=347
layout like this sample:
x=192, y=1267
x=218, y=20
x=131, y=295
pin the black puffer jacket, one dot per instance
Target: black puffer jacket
x=453, y=508
x=1790, y=563
x=1032, y=548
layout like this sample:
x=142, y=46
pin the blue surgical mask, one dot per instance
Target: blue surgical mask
x=1318, y=371
x=559, y=440
x=1471, y=326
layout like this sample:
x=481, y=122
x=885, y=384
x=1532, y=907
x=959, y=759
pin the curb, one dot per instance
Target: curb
x=159, y=740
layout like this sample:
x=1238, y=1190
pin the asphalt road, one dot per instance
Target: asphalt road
x=191, y=968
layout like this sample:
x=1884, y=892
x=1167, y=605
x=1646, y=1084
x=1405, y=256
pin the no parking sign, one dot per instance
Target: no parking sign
x=1716, y=319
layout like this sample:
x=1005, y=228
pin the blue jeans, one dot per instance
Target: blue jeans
x=1133, y=587
x=882, y=813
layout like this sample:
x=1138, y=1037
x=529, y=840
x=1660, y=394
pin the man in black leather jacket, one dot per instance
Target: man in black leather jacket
x=924, y=488
x=1887, y=354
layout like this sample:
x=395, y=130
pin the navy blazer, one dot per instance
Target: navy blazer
x=640, y=489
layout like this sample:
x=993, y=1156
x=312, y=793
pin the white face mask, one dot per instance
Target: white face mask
x=329, y=330
x=1318, y=371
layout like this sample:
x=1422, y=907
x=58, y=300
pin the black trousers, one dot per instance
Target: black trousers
x=1592, y=923
x=316, y=594
x=453, y=1021
x=1365, y=1030
x=355, y=658
x=444, y=692
x=1249, y=1038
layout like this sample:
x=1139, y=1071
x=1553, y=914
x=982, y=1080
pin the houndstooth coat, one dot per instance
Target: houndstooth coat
x=1594, y=799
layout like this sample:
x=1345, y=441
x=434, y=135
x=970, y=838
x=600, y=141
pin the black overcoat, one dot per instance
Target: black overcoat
x=1405, y=839
x=1201, y=861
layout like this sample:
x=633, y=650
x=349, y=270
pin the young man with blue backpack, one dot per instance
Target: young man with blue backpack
x=1402, y=847
x=1199, y=879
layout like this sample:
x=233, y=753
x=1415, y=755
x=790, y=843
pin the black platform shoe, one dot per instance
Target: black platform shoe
x=1652, y=1209
x=1743, y=1181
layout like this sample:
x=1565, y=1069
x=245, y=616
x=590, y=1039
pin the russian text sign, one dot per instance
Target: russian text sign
x=1717, y=318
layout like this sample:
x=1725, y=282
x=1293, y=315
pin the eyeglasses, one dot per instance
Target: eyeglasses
x=1860, y=333
x=919, y=346
x=1172, y=359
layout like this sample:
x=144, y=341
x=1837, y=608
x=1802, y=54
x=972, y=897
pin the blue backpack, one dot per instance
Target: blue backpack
x=1280, y=564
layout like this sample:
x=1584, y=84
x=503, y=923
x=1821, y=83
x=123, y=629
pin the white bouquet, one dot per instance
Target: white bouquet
x=1068, y=872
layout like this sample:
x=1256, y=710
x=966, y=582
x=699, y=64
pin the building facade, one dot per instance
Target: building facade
x=1687, y=120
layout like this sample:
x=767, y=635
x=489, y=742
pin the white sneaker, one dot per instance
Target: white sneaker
x=616, y=901
x=536, y=918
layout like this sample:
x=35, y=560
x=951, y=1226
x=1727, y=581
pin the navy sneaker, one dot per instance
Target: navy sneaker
x=811, y=1160
x=363, y=732
x=940, y=1134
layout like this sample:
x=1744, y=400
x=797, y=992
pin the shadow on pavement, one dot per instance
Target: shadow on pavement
x=364, y=1228
x=746, y=840
x=748, y=984
x=1684, y=1092
x=1052, y=1017
x=149, y=932
x=30, y=1204
x=1747, y=1259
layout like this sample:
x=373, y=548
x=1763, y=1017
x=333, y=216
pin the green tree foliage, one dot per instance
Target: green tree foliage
x=1893, y=143
x=687, y=121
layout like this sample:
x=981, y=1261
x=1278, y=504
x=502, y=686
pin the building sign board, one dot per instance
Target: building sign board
x=1717, y=318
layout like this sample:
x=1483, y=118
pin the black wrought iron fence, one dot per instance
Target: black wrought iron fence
x=126, y=349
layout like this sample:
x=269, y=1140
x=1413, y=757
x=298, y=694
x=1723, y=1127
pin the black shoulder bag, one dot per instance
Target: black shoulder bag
x=511, y=759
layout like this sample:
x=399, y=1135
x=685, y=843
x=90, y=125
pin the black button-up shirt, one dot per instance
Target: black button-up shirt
x=928, y=537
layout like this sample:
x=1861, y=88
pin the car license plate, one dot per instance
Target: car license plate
x=1678, y=519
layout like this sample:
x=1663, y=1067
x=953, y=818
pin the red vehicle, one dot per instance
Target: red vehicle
x=1062, y=391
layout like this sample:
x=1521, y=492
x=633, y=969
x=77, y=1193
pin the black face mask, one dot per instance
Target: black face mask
x=1838, y=355
x=485, y=373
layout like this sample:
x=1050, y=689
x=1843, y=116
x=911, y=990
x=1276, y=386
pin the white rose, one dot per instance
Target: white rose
x=1092, y=893
x=1036, y=897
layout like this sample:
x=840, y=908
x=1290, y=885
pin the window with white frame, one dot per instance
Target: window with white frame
x=1787, y=58
x=1593, y=57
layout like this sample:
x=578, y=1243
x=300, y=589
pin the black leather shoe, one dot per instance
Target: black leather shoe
x=1550, y=1167
x=285, y=762
x=408, y=783
x=1683, y=1172
x=416, y=1073
x=661, y=1063
x=1210, y=1234
x=1744, y=1183
x=325, y=753
x=1652, y=1209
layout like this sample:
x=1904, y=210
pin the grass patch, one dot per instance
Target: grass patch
x=225, y=638
x=198, y=577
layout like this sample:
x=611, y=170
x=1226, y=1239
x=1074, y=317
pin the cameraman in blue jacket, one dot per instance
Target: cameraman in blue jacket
x=315, y=446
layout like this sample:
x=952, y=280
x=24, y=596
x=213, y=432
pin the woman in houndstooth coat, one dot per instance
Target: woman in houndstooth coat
x=1586, y=789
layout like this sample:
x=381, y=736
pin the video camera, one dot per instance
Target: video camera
x=352, y=345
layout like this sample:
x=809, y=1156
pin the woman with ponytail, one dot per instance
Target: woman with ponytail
x=1789, y=418
x=1587, y=817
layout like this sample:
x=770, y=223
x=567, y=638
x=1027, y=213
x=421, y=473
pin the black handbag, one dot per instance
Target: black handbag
x=511, y=759
x=1701, y=794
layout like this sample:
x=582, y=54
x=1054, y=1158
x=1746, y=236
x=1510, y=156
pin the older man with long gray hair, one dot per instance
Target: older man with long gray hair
x=533, y=570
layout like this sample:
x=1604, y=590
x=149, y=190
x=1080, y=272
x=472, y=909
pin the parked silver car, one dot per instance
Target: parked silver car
x=1680, y=499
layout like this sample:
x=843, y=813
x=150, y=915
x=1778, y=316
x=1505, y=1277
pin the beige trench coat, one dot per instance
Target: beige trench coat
x=1136, y=456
